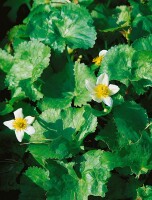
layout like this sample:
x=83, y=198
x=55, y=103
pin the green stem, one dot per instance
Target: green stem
x=108, y=3
x=106, y=110
x=43, y=142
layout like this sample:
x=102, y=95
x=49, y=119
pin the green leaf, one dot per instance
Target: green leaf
x=120, y=187
x=60, y=28
x=84, y=2
x=62, y=148
x=64, y=179
x=142, y=64
x=95, y=169
x=10, y=170
x=82, y=73
x=73, y=118
x=57, y=103
x=138, y=155
x=53, y=3
x=75, y=32
x=29, y=190
x=58, y=130
x=143, y=44
x=39, y=176
x=117, y=99
x=141, y=86
x=18, y=72
x=30, y=52
x=141, y=23
x=62, y=131
x=40, y=151
x=66, y=84
x=122, y=14
x=144, y=192
x=141, y=19
x=109, y=135
x=110, y=20
x=117, y=56
x=66, y=144
x=31, y=91
x=17, y=35
x=94, y=172
x=11, y=161
x=46, y=122
x=130, y=119
x=57, y=86
x=28, y=109
x=28, y=67
x=89, y=125
x=5, y=108
x=6, y=61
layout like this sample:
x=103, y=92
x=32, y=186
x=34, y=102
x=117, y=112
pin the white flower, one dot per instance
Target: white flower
x=102, y=90
x=21, y=124
x=99, y=58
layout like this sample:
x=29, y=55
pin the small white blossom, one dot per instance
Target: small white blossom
x=102, y=90
x=103, y=53
x=20, y=124
x=99, y=58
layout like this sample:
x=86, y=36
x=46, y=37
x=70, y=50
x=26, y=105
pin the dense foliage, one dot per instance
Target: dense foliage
x=81, y=149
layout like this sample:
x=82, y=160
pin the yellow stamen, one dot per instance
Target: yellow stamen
x=102, y=91
x=20, y=124
x=98, y=60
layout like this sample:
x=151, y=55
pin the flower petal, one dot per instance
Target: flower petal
x=103, y=79
x=18, y=113
x=103, y=53
x=19, y=135
x=90, y=86
x=113, y=89
x=9, y=124
x=108, y=101
x=30, y=119
x=30, y=130
x=99, y=100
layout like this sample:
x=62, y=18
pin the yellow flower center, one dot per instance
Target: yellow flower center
x=97, y=60
x=20, y=124
x=102, y=91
